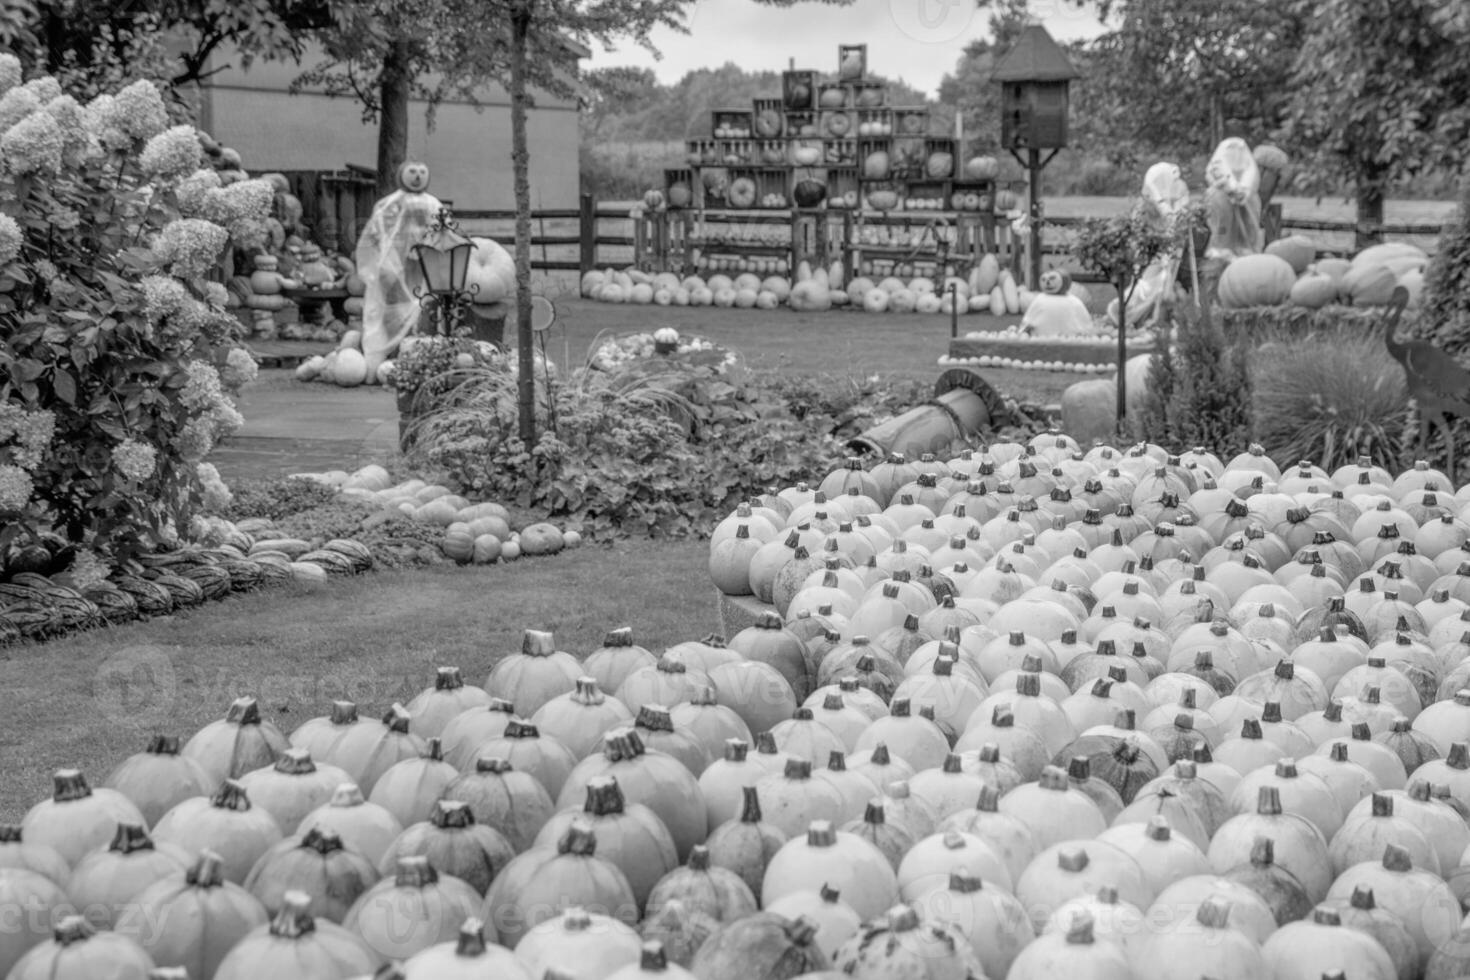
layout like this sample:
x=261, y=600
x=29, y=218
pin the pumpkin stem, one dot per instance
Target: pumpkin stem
x=243, y=711
x=828, y=893
x=452, y=815
x=73, y=929
x=163, y=745
x=343, y=713
x=620, y=637
x=538, y=643
x=604, y=797
x=652, y=959
x=495, y=764
x=230, y=796
x=295, y=762
x=415, y=872
x=471, y=938
x=736, y=749
x=397, y=718
x=448, y=679
x=294, y=919
x=69, y=785
x=750, y=811
x=820, y=833
x=579, y=839
x=322, y=841
x=130, y=837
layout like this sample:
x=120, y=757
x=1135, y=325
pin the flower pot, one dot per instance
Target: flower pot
x=665, y=346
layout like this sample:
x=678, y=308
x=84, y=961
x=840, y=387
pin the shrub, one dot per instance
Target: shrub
x=1446, y=301
x=116, y=354
x=276, y=499
x=1330, y=399
x=1209, y=401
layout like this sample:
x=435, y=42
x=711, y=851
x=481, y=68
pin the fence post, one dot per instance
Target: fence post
x=1272, y=223
x=587, y=229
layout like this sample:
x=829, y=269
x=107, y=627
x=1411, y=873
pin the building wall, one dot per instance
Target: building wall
x=468, y=151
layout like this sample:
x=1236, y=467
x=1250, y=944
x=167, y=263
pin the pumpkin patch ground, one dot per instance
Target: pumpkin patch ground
x=968, y=737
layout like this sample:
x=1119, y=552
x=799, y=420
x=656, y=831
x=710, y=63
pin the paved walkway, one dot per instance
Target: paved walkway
x=292, y=427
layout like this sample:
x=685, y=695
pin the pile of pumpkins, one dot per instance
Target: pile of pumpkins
x=1025, y=713
x=346, y=366
x=1290, y=272
x=988, y=288
x=474, y=533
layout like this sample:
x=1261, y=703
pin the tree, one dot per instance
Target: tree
x=540, y=27
x=61, y=36
x=969, y=88
x=1379, y=93
x=1169, y=65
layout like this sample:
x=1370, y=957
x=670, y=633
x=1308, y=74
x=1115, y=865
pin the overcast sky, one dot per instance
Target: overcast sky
x=915, y=40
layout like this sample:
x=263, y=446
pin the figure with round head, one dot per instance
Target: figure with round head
x=1233, y=201
x=390, y=311
x=1055, y=311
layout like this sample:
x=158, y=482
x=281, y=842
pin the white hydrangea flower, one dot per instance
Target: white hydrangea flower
x=134, y=460
x=33, y=145
x=11, y=239
x=240, y=368
x=217, y=495
x=10, y=73
x=163, y=296
x=172, y=153
x=78, y=143
x=15, y=487
x=15, y=105
x=191, y=245
x=138, y=111
x=44, y=88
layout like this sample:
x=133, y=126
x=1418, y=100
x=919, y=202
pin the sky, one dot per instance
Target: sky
x=918, y=41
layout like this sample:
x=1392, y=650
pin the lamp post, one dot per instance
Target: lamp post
x=443, y=255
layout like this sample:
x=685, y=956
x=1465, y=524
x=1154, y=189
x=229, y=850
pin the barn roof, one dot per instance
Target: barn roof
x=1035, y=58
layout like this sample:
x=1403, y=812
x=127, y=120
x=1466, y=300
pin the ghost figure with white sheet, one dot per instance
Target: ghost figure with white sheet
x=1233, y=201
x=390, y=310
x=1165, y=195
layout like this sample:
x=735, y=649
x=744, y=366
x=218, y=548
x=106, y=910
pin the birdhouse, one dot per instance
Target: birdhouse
x=1033, y=78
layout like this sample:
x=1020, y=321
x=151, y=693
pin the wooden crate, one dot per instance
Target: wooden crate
x=842, y=181
x=767, y=109
x=714, y=183
x=773, y=153
x=868, y=95
x=731, y=124
x=773, y=188
x=982, y=190
x=927, y=195
x=702, y=153
x=910, y=121
x=738, y=153
x=833, y=95
x=802, y=124
x=840, y=153
x=875, y=123
x=860, y=51
x=941, y=144
x=838, y=124
x=687, y=177
x=803, y=144
x=908, y=157
x=791, y=82
x=866, y=148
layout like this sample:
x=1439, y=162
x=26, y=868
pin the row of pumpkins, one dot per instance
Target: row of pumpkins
x=1290, y=272
x=988, y=288
x=1049, y=746
x=474, y=533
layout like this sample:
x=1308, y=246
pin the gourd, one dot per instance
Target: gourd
x=467, y=955
x=1297, y=250
x=315, y=863
x=226, y=823
x=578, y=943
x=365, y=752
x=411, y=910
x=76, y=951
x=536, y=883
x=295, y=946
x=534, y=676
x=901, y=944
x=1256, y=280
x=453, y=843
x=21, y=888
x=77, y=819
x=845, y=861
x=449, y=697
x=364, y=827
x=158, y=778
x=105, y=880
x=764, y=946
x=292, y=787
x=199, y=917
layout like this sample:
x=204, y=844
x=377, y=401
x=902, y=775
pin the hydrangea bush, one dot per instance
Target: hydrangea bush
x=117, y=358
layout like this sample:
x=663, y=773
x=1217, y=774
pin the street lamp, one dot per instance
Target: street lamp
x=443, y=255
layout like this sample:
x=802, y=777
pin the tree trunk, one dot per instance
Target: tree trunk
x=393, y=90
x=1370, y=207
x=520, y=159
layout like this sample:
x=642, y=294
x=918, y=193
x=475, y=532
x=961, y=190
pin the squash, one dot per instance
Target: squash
x=157, y=779
x=1256, y=280
x=409, y=911
x=541, y=539
x=985, y=276
x=742, y=192
x=1297, y=250
x=940, y=166
x=875, y=301
x=1368, y=285
x=982, y=168
x=76, y=951
x=200, y=917
x=295, y=945
x=1314, y=291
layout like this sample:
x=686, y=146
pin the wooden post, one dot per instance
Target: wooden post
x=1122, y=386
x=587, y=230
x=1033, y=168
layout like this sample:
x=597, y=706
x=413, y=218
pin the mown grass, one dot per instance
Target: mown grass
x=91, y=700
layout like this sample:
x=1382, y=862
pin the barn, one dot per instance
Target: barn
x=323, y=145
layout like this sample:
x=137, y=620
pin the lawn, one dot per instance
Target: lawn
x=90, y=700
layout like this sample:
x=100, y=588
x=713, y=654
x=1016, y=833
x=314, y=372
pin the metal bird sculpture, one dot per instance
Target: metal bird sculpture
x=1439, y=386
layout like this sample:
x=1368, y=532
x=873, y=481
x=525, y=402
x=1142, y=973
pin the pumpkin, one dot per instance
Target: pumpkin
x=1220, y=952
x=315, y=863
x=491, y=274
x=578, y=943
x=226, y=823
x=845, y=861
x=158, y=778
x=450, y=696
x=240, y=742
x=316, y=735
x=78, y=819
x=17, y=852
x=579, y=717
x=1300, y=847
x=468, y=954
x=198, y=917
x=1256, y=280
x=939, y=166
x=1320, y=945
x=760, y=692
x=704, y=888
x=294, y=946
x=105, y=880
x=834, y=919
x=900, y=943
x=982, y=168
x=1297, y=250
x=537, y=674
x=523, y=746
x=746, y=843
x=1314, y=291
x=409, y=789
x=1368, y=285
x=365, y=752
x=77, y=952
x=411, y=910
x=21, y=888
x=292, y=787
x=1071, y=952
x=763, y=946
x=467, y=732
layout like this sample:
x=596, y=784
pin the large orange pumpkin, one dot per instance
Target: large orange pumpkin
x=1256, y=280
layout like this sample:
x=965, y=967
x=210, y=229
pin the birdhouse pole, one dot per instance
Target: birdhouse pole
x=1034, y=77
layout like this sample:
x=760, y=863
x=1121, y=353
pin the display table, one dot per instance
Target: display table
x=313, y=302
